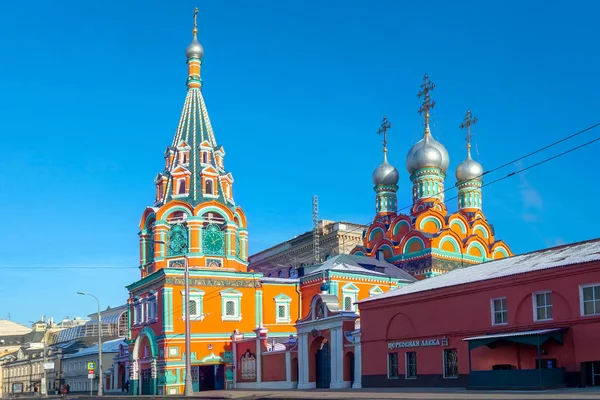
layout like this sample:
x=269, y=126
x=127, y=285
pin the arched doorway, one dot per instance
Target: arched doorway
x=323, y=365
x=121, y=377
x=145, y=352
x=349, y=367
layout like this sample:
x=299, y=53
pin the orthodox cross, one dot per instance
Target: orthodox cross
x=385, y=126
x=195, y=15
x=467, y=123
x=428, y=104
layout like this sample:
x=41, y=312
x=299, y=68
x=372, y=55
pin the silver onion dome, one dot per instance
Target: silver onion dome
x=427, y=152
x=385, y=174
x=195, y=49
x=468, y=169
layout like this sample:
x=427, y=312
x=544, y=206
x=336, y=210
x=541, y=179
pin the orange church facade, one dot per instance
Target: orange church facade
x=245, y=327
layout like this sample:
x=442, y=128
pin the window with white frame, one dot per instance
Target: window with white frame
x=195, y=305
x=590, y=299
x=542, y=306
x=392, y=365
x=499, y=311
x=375, y=290
x=231, y=305
x=282, y=309
x=411, y=365
x=450, y=363
x=350, y=297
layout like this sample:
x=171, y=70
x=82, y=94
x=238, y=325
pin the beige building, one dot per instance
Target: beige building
x=283, y=259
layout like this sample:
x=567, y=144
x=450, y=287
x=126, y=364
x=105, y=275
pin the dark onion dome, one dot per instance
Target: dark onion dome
x=427, y=152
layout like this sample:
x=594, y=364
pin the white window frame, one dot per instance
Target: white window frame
x=493, y=311
x=350, y=290
x=375, y=290
x=285, y=301
x=236, y=297
x=582, y=303
x=547, y=306
x=397, y=366
x=406, y=365
x=197, y=296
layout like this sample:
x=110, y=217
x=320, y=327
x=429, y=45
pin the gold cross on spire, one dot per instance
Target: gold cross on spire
x=467, y=123
x=195, y=25
x=385, y=126
x=426, y=88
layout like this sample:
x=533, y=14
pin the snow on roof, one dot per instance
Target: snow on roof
x=110, y=346
x=561, y=256
x=268, y=279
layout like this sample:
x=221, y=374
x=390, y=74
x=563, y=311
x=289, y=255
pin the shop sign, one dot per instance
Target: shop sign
x=418, y=343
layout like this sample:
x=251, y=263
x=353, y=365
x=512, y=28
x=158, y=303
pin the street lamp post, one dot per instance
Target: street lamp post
x=188, y=390
x=100, y=377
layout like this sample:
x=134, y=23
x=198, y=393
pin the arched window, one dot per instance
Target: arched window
x=209, y=186
x=281, y=274
x=181, y=186
x=150, y=244
x=292, y=272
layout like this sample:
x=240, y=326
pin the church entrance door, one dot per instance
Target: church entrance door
x=323, y=366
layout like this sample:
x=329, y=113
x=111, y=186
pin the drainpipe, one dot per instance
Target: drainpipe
x=299, y=299
x=539, y=361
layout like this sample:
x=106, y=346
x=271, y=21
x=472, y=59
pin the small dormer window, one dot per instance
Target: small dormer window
x=209, y=186
x=205, y=157
x=185, y=158
x=181, y=186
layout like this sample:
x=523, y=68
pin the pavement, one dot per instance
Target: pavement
x=374, y=394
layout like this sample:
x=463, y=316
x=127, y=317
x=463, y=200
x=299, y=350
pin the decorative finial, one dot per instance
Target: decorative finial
x=195, y=25
x=428, y=104
x=385, y=126
x=467, y=123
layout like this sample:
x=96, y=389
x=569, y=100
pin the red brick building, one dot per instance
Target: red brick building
x=528, y=321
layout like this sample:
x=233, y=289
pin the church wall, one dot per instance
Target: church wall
x=241, y=349
x=465, y=311
x=272, y=293
x=274, y=367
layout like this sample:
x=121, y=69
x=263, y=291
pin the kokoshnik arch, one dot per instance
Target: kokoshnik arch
x=429, y=240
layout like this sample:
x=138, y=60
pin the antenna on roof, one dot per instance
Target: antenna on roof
x=315, y=218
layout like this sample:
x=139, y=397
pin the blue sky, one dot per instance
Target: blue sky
x=91, y=94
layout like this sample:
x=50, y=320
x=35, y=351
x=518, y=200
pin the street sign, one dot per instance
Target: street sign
x=91, y=376
x=49, y=365
x=91, y=371
x=91, y=365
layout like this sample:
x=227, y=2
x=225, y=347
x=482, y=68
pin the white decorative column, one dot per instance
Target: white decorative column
x=261, y=334
x=337, y=358
x=303, y=380
x=288, y=369
x=357, y=384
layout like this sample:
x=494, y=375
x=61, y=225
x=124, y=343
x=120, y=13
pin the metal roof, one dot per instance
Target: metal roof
x=351, y=263
x=513, y=334
x=555, y=257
